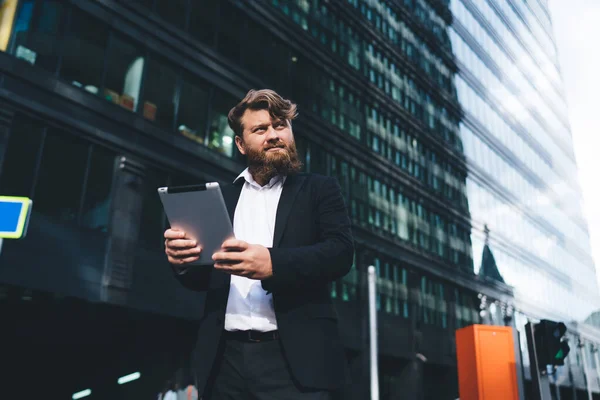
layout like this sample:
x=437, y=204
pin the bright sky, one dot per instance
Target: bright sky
x=577, y=29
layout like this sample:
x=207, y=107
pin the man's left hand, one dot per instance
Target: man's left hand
x=241, y=258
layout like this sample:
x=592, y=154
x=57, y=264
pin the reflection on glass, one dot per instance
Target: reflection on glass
x=98, y=186
x=84, y=51
x=124, y=73
x=19, y=164
x=230, y=33
x=350, y=283
x=159, y=93
x=193, y=103
x=173, y=11
x=36, y=33
x=203, y=20
x=220, y=135
x=61, y=176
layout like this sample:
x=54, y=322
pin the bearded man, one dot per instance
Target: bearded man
x=269, y=329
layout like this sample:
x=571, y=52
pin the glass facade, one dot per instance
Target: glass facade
x=516, y=137
x=522, y=181
x=441, y=120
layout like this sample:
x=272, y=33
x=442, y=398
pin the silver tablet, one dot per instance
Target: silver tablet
x=199, y=211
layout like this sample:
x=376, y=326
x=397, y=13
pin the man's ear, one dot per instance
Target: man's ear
x=239, y=142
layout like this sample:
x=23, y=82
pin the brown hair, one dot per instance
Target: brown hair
x=264, y=99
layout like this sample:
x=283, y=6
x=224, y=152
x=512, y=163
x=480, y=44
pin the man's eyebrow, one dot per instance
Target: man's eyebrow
x=264, y=124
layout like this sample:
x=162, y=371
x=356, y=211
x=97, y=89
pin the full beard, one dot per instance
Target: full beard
x=264, y=165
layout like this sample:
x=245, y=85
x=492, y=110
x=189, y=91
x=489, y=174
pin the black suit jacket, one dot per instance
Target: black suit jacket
x=312, y=246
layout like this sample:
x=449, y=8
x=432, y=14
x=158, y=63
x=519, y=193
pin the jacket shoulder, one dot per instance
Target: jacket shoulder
x=316, y=179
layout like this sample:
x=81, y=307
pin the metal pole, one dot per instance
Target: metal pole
x=373, y=334
x=586, y=371
x=519, y=362
x=556, y=386
x=539, y=380
x=595, y=351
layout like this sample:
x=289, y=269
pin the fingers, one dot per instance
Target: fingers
x=181, y=253
x=234, y=245
x=174, y=234
x=179, y=248
x=183, y=256
x=180, y=244
x=181, y=261
x=228, y=257
x=176, y=240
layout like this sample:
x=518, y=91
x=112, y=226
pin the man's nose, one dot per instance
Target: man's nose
x=272, y=134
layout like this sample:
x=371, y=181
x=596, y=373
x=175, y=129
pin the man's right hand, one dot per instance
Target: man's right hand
x=180, y=249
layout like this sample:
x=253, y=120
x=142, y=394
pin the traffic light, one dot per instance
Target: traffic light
x=550, y=344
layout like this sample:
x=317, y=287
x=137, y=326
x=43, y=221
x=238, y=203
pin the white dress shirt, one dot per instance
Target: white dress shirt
x=249, y=307
x=170, y=395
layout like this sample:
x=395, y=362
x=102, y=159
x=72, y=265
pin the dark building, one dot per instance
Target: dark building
x=103, y=101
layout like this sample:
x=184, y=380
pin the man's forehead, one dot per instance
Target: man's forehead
x=257, y=117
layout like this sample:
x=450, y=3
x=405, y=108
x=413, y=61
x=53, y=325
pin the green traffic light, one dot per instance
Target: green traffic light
x=559, y=355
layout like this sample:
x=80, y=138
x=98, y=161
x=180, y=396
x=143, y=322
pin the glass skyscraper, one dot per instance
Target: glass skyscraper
x=444, y=122
x=522, y=181
x=523, y=176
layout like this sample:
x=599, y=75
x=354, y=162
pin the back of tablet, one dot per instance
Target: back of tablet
x=199, y=211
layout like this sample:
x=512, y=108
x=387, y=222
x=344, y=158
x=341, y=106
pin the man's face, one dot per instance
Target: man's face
x=267, y=143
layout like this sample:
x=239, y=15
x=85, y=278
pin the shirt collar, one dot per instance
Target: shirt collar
x=247, y=176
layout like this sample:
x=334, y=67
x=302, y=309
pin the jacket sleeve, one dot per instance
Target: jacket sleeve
x=329, y=258
x=195, y=277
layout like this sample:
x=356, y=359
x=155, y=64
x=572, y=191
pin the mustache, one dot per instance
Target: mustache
x=276, y=146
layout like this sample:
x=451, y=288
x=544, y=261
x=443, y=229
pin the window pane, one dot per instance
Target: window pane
x=60, y=180
x=38, y=41
x=230, y=33
x=193, y=104
x=153, y=217
x=203, y=20
x=159, y=93
x=173, y=11
x=220, y=134
x=125, y=67
x=84, y=51
x=301, y=76
x=23, y=20
x=97, y=196
x=147, y=3
x=303, y=153
x=21, y=155
x=318, y=163
x=254, y=51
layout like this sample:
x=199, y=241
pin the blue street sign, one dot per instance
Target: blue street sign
x=14, y=216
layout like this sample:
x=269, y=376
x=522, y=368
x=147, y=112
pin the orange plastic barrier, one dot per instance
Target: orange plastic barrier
x=486, y=363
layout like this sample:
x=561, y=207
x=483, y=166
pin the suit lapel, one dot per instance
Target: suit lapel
x=231, y=195
x=291, y=187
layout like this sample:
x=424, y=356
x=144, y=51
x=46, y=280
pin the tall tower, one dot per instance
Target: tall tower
x=522, y=179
